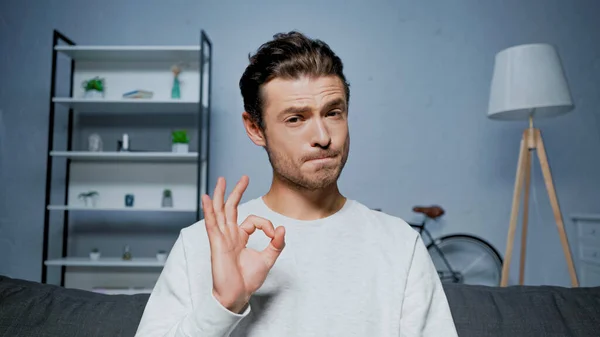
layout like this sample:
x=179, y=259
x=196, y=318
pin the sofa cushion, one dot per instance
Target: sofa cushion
x=516, y=311
x=34, y=309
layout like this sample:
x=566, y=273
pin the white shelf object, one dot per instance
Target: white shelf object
x=105, y=262
x=132, y=53
x=129, y=105
x=127, y=156
x=117, y=209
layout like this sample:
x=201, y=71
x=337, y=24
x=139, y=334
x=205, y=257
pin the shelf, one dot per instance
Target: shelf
x=122, y=291
x=586, y=216
x=127, y=156
x=132, y=53
x=105, y=262
x=148, y=173
x=116, y=209
x=128, y=105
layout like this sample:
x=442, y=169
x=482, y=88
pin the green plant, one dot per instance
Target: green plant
x=167, y=193
x=180, y=137
x=95, y=250
x=87, y=194
x=95, y=83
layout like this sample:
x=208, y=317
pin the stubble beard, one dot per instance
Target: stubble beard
x=287, y=170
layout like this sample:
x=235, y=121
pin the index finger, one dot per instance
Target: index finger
x=234, y=200
x=254, y=222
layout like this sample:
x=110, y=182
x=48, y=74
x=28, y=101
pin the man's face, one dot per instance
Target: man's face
x=306, y=134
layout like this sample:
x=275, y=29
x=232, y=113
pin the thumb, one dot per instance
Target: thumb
x=275, y=247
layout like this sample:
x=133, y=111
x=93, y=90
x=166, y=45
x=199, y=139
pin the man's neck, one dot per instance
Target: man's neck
x=303, y=204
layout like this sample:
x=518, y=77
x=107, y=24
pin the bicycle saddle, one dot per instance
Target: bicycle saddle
x=430, y=211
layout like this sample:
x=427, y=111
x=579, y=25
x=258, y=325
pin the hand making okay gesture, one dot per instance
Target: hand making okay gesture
x=237, y=271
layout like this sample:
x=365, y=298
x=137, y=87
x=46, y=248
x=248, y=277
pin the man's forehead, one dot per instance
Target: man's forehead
x=305, y=91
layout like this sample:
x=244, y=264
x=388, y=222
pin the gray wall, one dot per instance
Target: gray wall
x=420, y=77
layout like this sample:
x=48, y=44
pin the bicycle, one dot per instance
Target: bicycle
x=456, y=256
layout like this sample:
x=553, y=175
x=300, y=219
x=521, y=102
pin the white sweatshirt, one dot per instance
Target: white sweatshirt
x=358, y=272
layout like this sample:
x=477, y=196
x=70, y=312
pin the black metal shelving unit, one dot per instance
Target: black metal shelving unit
x=203, y=124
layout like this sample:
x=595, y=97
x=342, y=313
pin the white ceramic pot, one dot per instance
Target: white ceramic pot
x=94, y=256
x=167, y=202
x=93, y=94
x=162, y=257
x=180, y=148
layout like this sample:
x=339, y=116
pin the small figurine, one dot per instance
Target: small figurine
x=129, y=198
x=123, y=145
x=94, y=143
x=85, y=195
x=126, y=253
x=175, y=91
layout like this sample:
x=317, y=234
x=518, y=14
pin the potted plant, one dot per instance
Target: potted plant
x=161, y=255
x=180, y=141
x=93, y=88
x=95, y=254
x=91, y=194
x=167, y=199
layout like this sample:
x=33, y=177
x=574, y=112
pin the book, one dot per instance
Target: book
x=138, y=94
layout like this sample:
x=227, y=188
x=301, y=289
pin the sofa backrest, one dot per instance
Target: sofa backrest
x=34, y=309
x=517, y=311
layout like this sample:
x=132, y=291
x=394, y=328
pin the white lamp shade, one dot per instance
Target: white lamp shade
x=528, y=80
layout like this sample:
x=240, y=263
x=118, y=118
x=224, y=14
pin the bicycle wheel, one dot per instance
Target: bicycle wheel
x=463, y=258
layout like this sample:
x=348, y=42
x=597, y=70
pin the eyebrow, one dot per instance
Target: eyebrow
x=301, y=109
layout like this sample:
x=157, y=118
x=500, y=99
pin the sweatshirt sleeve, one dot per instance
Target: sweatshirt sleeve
x=425, y=309
x=170, y=311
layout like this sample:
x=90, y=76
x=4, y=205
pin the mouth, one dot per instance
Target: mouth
x=323, y=159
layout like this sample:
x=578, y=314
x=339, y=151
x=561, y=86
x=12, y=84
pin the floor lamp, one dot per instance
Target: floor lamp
x=528, y=83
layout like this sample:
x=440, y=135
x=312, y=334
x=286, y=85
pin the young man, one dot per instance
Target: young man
x=302, y=260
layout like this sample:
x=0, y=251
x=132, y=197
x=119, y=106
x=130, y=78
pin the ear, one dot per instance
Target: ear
x=255, y=133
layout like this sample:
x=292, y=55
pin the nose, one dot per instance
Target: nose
x=320, y=134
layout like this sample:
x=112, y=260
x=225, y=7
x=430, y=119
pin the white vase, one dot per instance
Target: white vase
x=180, y=147
x=167, y=202
x=94, y=256
x=162, y=257
x=93, y=94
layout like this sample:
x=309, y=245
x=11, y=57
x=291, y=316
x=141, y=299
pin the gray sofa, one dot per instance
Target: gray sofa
x=33, y=309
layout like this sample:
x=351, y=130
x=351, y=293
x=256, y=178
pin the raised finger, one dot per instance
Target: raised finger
x=253, y=222
x=210, y=222
x=218, y=202
x=234, y=200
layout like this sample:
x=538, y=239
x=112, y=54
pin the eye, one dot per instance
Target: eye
x=293, y=119
x=334, y=113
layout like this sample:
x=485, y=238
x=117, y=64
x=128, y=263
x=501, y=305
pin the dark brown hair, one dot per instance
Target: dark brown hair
x=288, y=55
